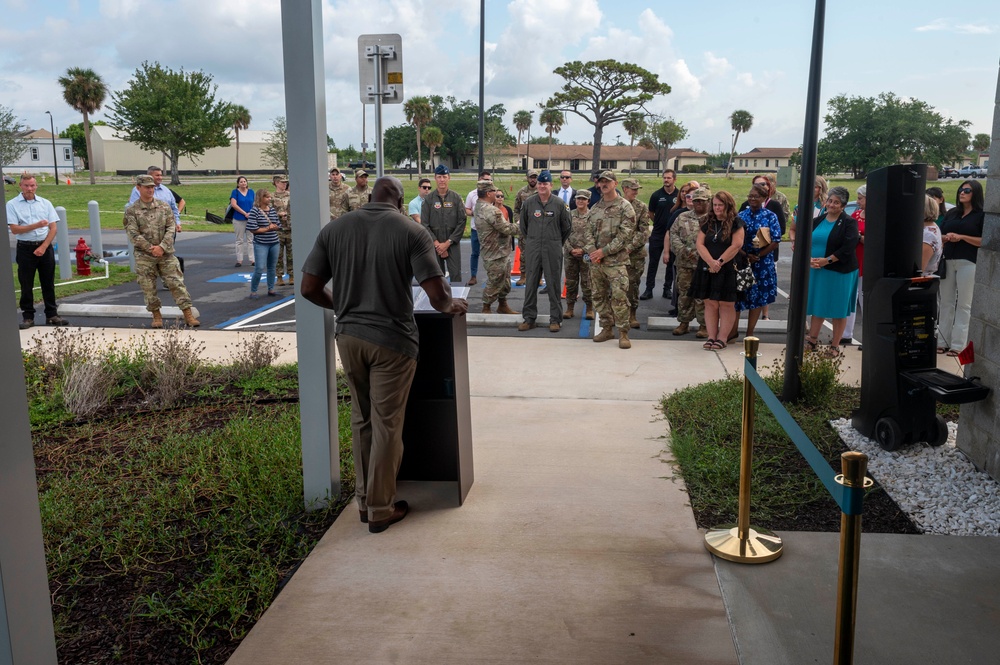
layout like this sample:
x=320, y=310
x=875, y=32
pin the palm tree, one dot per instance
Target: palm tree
x=522, y=121
x=433, y=137
x=418, y=113
x=741, y=122
x=552, y=120
x=84, y=90
x=635, y=125
x=240, y=119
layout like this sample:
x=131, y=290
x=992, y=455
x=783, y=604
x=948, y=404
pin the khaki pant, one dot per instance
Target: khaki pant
x=497, y=280
x=284, y=254
x=379, y=380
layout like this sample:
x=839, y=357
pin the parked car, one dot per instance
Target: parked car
x=360, y=165
x=971, y=171
x=9, y=180
x=947, y=172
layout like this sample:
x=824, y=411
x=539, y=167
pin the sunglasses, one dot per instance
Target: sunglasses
x=425, y=187
x=965, y=190
x=565, y=177
x=689, y=197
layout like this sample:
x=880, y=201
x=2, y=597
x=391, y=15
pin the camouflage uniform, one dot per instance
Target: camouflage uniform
x=494, y=247
x=360, y=196
x=340, y=200
x=519, y=199
x=148, y=225
x=783, y=202
x=683, y=245
x=637, y=252
x=612, y=227
x=281, y=202
x=577, y=270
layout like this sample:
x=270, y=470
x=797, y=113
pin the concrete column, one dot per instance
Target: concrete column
x=305, y=108
x=979, y=422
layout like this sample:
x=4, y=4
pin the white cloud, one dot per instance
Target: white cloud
x=950, y=25
x=746, y=78
x=715, y=67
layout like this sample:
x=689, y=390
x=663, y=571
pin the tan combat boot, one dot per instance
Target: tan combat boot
x=607, y=333
x=504, y=308
x=589, y=316
x=291, y=279
x=568, y=314
x=623, y=341
x=487, y=309
x=157, y=319
x=632, y=321
x=189, y=318
x=681, y=329
x=280, y=281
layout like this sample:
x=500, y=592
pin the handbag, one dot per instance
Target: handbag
x=744, y=275
x=229, y=213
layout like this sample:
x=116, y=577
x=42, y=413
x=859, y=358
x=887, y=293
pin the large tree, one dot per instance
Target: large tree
x=399, y=144
x=171, y=112
x=866, y=133
x=660, y=134
x=552, y=120
x=84, y=90
x=239, y=118
x=604, y=92
x=418, y=113
x=741, y=121
x=635, y=125
x=433, y=137
x=12, y=137
x=276, y=148
x=459, y=125
x=522, y=122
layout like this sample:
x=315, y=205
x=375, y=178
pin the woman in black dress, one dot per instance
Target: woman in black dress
x=719, y=241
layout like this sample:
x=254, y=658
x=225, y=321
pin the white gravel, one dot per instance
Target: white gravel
x=939, y=488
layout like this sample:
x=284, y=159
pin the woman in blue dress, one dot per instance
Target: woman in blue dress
x=760, y=254
x=833, y=278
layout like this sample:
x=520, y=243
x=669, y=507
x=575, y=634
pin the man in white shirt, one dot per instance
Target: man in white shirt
x=32, y=220
x=566, y=192
x=470, y=209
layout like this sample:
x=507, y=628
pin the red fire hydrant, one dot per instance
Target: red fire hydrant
x=82, y=253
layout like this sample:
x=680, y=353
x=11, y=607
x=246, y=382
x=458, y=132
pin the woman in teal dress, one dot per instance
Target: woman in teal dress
x=833, y=278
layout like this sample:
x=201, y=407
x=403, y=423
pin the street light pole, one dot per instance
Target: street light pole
x=55, y=162
x=527, y=147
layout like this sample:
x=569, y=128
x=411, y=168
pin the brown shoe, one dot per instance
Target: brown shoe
x=189, y=318
x=526, y=325
x=399, y=511
x=280, y=281
x=632, y=321
x=472, y=281
x=554, y=327
x=520, y=282
x=623, y=340
x=291, y=280
x=56, y=321
x=504, y=308
x=589, y=316
x=568, y=314
x=157, y=320
x=682, y=329
x=607, y=333
x=702, y=333
x=487, y=309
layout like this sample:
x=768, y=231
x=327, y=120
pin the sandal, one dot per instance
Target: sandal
x=833, y=352
x=708, y=345
x=952, y=353
x=942, y=350
x=718, y=345
x=811, y=343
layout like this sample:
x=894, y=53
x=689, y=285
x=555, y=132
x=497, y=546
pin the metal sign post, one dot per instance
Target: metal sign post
x=380, y=65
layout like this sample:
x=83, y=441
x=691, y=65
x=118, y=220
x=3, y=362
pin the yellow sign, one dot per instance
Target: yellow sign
x=394, y=77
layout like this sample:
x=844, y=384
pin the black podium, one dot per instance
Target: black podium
x=437, y=433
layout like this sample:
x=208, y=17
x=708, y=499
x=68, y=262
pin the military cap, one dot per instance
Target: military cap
x=145, y=181
x=441, y=169
x=701, y=194
x=607, y=175
x=484, y=187
x=582, y=194
x=545, y=176
x=334, y=170
x=360, y=172
x=532, y=172
x=631, y=183
x=281, y=177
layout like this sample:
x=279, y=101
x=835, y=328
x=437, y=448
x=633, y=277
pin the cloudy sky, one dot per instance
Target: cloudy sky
x=731, y=56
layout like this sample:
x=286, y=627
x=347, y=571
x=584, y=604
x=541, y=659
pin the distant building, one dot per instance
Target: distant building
x=37, y=157
x=764, y=159
x=115, y=154
x=579, y=157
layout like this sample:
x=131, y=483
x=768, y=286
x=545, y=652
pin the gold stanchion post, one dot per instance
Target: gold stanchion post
x=854, y=466
x=741, y=542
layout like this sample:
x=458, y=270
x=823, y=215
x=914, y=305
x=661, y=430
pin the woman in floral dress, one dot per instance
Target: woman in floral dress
x=761, y=257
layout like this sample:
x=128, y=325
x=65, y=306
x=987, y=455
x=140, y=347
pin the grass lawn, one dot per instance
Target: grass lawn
x=118, y=274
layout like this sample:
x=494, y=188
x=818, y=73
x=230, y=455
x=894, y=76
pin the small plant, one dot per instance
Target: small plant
x=253, y=353
x=817, y=374
x=173, y=368
x=88, y=386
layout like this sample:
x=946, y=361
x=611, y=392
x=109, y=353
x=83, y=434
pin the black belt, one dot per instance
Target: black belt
x=30, y=243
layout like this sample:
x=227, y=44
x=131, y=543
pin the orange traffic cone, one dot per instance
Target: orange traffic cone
x=564, y=289
x=516, y=270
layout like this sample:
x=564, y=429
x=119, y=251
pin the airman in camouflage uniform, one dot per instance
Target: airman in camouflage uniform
x=281, y=202
x=522, y=194
x=495, y=234
x=361, y=193
x=612, y=227
x=577, y=269
x=149, y=224
x=340, y=195
x=683, y=245
x=637, y=248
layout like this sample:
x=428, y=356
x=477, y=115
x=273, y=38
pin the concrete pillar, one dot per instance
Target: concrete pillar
x=979, y=422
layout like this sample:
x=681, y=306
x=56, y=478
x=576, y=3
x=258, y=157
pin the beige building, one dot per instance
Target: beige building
x=764, y=159
x=579, y=157
x=113, y=153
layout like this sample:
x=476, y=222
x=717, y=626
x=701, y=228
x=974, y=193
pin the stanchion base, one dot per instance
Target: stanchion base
x=760, y=547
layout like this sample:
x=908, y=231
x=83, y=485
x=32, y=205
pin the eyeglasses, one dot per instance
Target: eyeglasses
x=689, y=197
x=965, y=190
